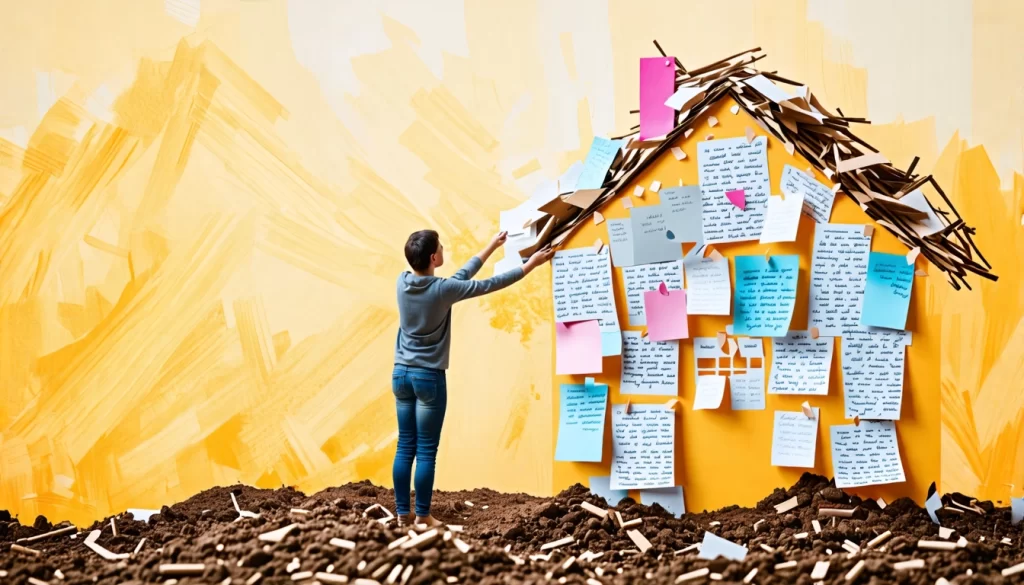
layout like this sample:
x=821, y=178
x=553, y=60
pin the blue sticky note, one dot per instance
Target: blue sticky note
x=716, y=546
x=588, y=381
x=669, y=498
x=765, y=295
x=581, y=417
x=887, y=291
x=595, y=167
x=600, y=485
x=611, y=342
x=933, y=504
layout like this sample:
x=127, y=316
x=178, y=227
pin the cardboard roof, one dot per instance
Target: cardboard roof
x=797, y=118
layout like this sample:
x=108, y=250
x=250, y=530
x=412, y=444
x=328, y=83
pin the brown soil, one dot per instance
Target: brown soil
x=206, y=529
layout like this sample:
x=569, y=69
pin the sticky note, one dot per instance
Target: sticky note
x=728, y=165
x=866, y=454
x=650, y=236
x=599, y=159
x=601, y=486
x=669, y=498
x=782, y=218
x=873, y=366
x=839, y=268
x=800, y=364
x=643, y=447
x=649, y=367
x=817, y=198
x=657, y=84
x=794, y=439
x=644, y=277
x=581, y=419
x=577, y=348
x=708, y=290
x=710, y=391
x=683, y=210
x=716, y=546
x=887, y=292
x=665, y=311
x=765, y=295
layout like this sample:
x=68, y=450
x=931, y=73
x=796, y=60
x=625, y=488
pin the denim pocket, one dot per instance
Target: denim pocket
x=425, y=387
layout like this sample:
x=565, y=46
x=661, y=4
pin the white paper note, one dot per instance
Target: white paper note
x=650, y=236
x=801, y=365
x=818, y=198
x=867, y=454
x=715, y=546
x=643, y=447
x=794, y=439
x=839, y=270
x=872, y=363
x=745, y=371
x=710, y=391
x=649, y=367
x=782, y=218
x=582, y=291
x=708, y=289
x=644, y=277
x=768, y=88
x=620, y=239
x=683, y=207
x=727, y=165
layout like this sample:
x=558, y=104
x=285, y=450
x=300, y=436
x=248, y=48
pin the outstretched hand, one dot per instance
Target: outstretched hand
x=498, y=240
x=539, y=257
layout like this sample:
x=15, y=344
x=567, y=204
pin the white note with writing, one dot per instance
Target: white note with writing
x=649, y=367
x=818, y=198
x=746, y=386
x=839, y=269
x=645, y=277
x=727, y=165
x=620, y=240
x=866, y=454
x=643, y=447
x=782, y=218
x=710, y=391
x=708, y=290
x=794, y=439
x=800, y=364
x=873, y=363
x=582, y=286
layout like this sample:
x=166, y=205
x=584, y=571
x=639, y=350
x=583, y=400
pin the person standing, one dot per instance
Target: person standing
x=421, y=357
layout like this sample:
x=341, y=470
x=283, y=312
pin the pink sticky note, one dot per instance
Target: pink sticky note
x=577, y=348
x=738, y=198
x=657, y=84
x=666, y=314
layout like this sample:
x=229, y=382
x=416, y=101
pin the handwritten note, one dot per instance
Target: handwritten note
x=657, y=84
x=801, y=365
x=746, y=383
x=887, y=293
x=727, y=165
x=665, y=312
x=782, y=218
x=710, y=391
x=600, y=158
x=582, y=291
x=581, y=422
x=867, y=454
x=872, y=363
x=578, y=348
x=818, y=198
x=644, y=277
x=839, y=269
x=643, y=447
x=620, y=239
x=650, y=236
x=684, y=207
x=794, y=439
x=649, y=367
x=708, y=291
x=671, y=499
x=765, y=295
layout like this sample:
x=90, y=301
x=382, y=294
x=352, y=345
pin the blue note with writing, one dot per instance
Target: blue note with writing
x=887, y=292
x=600, y=158
x=765, y=295
x=581, y=418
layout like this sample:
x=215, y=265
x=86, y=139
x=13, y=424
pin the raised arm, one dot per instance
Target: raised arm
x=459, y=290
x=470, y=268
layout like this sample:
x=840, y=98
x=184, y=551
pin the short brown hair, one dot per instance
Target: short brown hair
x=420, y=247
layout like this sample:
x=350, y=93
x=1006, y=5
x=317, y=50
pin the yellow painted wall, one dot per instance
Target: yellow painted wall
x=723, y=457
x=216, y=304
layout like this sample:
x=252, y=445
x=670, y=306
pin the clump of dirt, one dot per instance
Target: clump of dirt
x=498, y=538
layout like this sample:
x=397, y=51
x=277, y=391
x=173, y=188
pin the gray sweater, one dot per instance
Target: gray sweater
x=425, y=311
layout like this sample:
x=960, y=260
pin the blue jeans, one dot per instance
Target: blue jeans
x=421, y=395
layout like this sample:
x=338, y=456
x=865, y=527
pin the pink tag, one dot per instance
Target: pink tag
x=657, y=84
x=737, y=198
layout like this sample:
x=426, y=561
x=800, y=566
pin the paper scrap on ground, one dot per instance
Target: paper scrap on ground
x=867, y=454
x=581, y=422
x=726, y=165
x=670, y=498
x=745, y=372
x=782, y=218
x=715, y=546
x=644, y=277
x=1016, y=510
x=578, y=348
x=657, y=84
x=665, y=312
x=650, y=236
x=643, y=447
x=765, y=295
x=932, y=505
x=929, y=225
x=708, y=290
x=620, y=238
x=683, y=207
x=794, y=439
x=595, y=167
x=818, y=198
x=839, y=269
x=887, y=293
x=873, y=363
x=649, y=367
x=582, y=291
x=710, y=391
x=800, y=364
x=600, y=485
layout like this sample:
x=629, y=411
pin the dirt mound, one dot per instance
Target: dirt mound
x=499, y=538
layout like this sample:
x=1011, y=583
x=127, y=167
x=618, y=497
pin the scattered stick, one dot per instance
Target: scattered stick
x=330, y=577
x=817, y=526
x=594, y=510
x=1018, y=568
x=908, y=565
x=90, y=541
x=25, y=550
x=694, y=575
x=785, y=565
x=683, y=551
x=750, y=576
x=138, y=547
x=51, y=534
x=342, y=543
x=254, y=578
x=633, y=522
x=855, y=571
x=182, y=569
x=302, y=575
x=461, y=545
x=935, y=545
x=113, y=526
x=786, y=506
x=279, y=534
x=837, y=512
x=879, y=539
x=425, y=538
x=820, y=570
x=639, y=540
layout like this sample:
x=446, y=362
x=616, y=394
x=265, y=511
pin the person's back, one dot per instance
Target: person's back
x=421, y=356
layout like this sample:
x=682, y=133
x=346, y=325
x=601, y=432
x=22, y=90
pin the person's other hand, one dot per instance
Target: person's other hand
x=539, y=257
x=498, y=240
